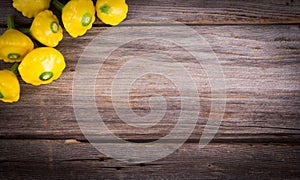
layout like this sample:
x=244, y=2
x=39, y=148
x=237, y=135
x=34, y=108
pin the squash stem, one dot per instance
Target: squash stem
x=14, y=68
x=58, y=5
x=35, y=44
x=10, y=22
x=25, y=31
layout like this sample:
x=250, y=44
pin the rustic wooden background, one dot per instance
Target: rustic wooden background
x=258, y=46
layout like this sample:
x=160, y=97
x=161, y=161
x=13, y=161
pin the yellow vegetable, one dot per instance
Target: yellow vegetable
x=111, y=12
x=78, y=16
x=46, y=29
x=14, y=45
x=9, y=86
x=42, y=66
x=31, y=8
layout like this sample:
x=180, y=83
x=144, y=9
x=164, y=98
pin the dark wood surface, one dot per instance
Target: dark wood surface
x=258, y=46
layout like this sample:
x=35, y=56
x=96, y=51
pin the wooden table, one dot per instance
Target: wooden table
x=258, y=46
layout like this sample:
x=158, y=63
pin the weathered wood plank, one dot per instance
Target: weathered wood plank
x=70, y=159
x=195, y=12
x=261, y=69
x=258, y=138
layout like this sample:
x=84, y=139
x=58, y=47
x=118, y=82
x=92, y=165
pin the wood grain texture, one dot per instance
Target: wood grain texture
x=257, y=44
x=261, y=74
x=76, y=160
x=200, y=11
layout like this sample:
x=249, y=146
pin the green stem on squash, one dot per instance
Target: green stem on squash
x=14, y=68
x=25, y=31
x=10, y=22
x=35, y=44
x=58, y=5
x=105, y=9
